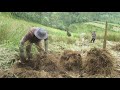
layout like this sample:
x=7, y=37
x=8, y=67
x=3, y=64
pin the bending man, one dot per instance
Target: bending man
x=35, y=35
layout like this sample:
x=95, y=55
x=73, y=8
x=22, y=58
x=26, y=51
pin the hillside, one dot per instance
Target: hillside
x=12, y=29
x=62, y=20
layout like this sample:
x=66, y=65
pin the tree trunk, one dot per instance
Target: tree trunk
x=105, y=36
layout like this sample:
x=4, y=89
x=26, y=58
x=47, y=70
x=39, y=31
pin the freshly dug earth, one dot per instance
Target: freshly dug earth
x=26, y=73
x=6, y=74
x=99, y=61
x=41, y=62
x=71, y=60
x=47, y=63
x=116, y=47
x=41, y=66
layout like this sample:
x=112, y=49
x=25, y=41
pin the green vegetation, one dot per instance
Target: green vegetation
x=61, y=20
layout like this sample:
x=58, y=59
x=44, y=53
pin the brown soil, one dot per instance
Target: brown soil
x=71, y=60
x=46, y=66
x=99, y=61
x=41, y=62
x=68, y=64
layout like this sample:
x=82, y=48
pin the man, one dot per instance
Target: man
x=93, y=36
x=35, y=35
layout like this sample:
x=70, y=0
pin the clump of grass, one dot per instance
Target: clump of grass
x=99, y=61
x=71, y=60
x=116, y=47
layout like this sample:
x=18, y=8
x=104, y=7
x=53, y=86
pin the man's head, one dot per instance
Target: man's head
x=40, y=33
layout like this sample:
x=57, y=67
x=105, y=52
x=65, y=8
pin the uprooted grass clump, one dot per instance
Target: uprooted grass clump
x=71, y=60
x=99, y=61
x=45, y=62
x=41, y=62
x=116, y=47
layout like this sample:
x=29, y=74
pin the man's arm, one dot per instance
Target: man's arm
x=24, y=39
x=21, y=48
x=46, y=45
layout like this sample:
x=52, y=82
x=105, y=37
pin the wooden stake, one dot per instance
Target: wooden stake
x=105, y=36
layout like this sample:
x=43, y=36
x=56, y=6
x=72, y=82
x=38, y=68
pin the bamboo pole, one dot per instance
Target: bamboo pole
x=105, y=36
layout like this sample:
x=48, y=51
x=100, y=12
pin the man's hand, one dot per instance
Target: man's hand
x=22, y=58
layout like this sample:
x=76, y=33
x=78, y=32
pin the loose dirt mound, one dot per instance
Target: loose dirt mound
x=99, y=61
x=47, y=63
x=46, y=66
x=116, y=47
x=71, y=60
x=41, y=62
x=41, y=66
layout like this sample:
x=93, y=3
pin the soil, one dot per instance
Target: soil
x=69, y=64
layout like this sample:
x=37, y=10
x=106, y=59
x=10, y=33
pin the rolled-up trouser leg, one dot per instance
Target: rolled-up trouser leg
x=28, y=51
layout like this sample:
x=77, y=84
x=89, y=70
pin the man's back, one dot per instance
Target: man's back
x=30, y=36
